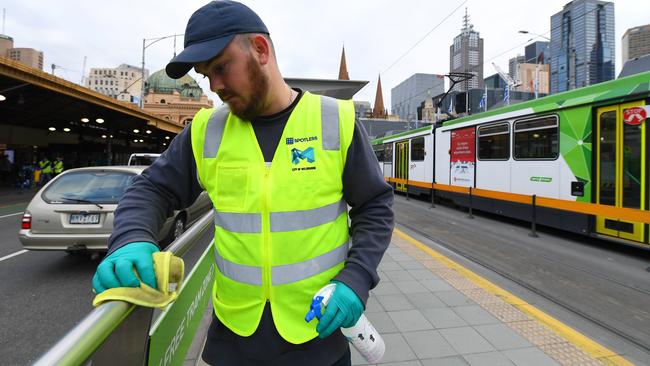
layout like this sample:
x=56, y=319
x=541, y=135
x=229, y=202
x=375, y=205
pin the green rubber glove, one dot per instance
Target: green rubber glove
x=343, y=310
x=116, y=270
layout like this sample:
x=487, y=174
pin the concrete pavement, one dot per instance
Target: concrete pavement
x=432, y=311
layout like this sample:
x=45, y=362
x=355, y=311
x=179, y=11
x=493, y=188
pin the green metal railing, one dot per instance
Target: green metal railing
x=118, y=333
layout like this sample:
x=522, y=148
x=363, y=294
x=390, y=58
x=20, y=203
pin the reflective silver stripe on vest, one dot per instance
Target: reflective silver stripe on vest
x=299, y=220
x=251, y=275
x=295, y=272
x=329, y=109
x=214, y=131
x=238, y=222
x=284, y=274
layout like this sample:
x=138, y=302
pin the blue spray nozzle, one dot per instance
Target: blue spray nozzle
x=315, y=309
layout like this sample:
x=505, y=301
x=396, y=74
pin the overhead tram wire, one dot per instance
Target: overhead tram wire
x=523, y=43
x=425, y=36
x=473, y=68
x=421, y=39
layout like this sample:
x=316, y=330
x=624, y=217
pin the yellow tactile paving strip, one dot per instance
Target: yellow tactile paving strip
x=560, y=342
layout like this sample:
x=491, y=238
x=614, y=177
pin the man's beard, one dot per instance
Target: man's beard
x=259, y=85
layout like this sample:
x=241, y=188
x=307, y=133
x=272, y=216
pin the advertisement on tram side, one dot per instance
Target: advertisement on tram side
x=463, y=156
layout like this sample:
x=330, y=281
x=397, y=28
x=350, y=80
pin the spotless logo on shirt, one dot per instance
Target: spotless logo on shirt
x=295, y=140
x=306, y=154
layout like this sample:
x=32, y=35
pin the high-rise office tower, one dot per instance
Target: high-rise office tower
x=636, y=42
x=582, y=45
x=537, y=53
x=466, y=56
x=512, y=65
x=407, y=96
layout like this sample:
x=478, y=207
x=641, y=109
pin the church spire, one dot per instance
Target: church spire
x=378, y=111
x=343, y=68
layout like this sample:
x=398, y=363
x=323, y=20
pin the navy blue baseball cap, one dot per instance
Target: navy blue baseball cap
x=209, y=30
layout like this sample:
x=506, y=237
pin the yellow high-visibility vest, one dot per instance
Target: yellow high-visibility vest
x=281, y=229
x=46, y=166
x=58, y=167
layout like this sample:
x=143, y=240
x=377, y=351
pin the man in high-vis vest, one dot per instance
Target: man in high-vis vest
x=46, y=170
x=281, y=167
x=58, y=166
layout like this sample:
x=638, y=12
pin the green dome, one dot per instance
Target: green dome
x=163, y=84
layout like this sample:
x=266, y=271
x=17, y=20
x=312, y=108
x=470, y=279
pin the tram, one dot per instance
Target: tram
x=584, y=145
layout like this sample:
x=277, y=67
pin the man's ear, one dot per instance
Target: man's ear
x=261, y=48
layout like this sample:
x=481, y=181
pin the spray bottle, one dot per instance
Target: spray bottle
x=362, y=335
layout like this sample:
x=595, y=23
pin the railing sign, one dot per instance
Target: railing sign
x=172, y=334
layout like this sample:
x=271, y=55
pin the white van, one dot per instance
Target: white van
x=142, y=158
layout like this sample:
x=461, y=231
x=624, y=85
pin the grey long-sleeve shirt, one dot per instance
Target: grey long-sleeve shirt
x=171, y=183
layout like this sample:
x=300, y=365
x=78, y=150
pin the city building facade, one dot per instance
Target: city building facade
x=466, y=56
x=534, y=78
x=494, y=82
x=537, y=52
x=636, y=42
x=582, y=45
x=513, y=66
x=407, y=95
x=26, y=56
x=174, y=100
x=122, y=83
x=362, y=109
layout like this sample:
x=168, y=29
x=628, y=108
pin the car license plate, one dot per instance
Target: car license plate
x=84, y=218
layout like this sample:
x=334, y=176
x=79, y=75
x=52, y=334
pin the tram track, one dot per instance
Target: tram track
x=439, y=239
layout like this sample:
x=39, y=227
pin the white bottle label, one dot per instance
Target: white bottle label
x=365, y=339
x=362, y=335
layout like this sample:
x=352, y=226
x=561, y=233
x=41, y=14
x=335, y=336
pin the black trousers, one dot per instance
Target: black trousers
x=266, y=347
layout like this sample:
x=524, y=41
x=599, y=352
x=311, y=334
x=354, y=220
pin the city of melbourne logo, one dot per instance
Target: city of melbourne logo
x=298, y=155
x=294, y=140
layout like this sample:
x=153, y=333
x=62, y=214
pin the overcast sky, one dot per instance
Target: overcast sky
x=308, y=35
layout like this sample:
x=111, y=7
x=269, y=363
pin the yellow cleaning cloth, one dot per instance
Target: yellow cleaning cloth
x=170, y=271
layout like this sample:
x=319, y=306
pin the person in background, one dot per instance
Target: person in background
x=58, y=166
x=281, y=166
x=45, y=166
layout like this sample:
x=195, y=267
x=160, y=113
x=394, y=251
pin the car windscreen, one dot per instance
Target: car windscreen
x=90, y=186
x=142, y=160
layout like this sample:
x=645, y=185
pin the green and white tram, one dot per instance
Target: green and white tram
x=585, y=145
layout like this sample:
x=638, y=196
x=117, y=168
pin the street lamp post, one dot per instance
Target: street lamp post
x=144, y=47
x=534, y=34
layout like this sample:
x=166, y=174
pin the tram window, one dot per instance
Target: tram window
x=494, y=142
x=417, y=149
x=536, y=138
x=379, y=152
x=388, y=152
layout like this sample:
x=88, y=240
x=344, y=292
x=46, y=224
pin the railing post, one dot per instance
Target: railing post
x=407, y=189
x=128, y=343
x=433, y=195
x=470, y=216
x=533, y=221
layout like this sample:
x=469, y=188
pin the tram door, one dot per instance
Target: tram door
x=621, y=178
x=402, y=164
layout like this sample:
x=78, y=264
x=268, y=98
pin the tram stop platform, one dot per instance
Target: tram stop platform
x=430, y=310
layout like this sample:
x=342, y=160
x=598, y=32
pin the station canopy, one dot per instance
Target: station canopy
x=32, y=98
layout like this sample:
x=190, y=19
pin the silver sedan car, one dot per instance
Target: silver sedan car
x=74, y=211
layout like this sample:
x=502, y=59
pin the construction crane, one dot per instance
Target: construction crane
x=511, y=83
